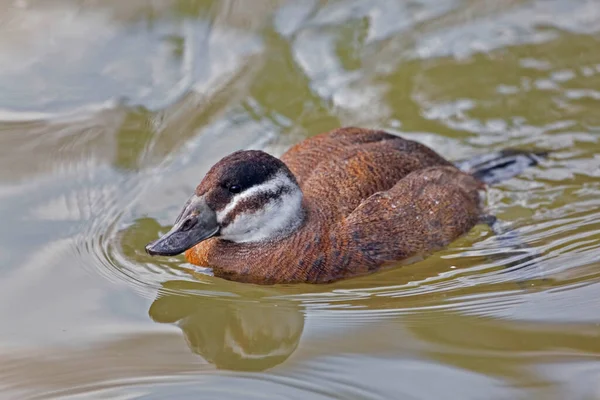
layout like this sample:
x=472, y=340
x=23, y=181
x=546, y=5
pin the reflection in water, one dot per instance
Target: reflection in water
x=231, y=334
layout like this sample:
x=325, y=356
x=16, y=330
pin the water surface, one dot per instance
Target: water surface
x=111, y=112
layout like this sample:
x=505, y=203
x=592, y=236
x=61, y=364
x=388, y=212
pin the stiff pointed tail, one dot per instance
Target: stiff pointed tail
x=500, y=166
x=497, y=167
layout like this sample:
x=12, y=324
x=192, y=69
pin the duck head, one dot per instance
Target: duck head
x=248, y=196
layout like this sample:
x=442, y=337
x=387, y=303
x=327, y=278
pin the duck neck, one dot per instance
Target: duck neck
x=287, y=216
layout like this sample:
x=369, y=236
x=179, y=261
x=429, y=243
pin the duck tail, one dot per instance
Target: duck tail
x=500, y=166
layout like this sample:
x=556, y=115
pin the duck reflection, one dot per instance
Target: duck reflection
x=232, y=334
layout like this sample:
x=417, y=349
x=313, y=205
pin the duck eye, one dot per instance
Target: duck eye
x=235, y=189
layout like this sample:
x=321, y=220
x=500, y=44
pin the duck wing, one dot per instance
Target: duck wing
x=423, y=212
x=349, y=165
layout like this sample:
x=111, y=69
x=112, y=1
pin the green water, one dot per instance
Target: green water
x=112, y=111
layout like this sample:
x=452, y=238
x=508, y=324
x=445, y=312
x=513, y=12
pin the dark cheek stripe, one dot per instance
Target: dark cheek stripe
x=253, y=204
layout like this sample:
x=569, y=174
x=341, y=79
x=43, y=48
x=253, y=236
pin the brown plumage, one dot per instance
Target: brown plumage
x=349, y=230
x=370, y=199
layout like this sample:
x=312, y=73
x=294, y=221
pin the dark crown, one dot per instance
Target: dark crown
x=240, y=170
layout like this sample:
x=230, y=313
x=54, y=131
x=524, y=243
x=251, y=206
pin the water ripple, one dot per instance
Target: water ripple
x=116, y=155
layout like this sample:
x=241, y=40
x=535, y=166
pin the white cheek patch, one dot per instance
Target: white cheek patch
x=278, y=217
x=270, y=186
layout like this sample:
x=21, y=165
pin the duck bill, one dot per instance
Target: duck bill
x=197, y=222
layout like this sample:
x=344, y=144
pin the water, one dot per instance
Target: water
x=111, y=112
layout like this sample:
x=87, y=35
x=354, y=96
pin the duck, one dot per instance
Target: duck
x=341, y=204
